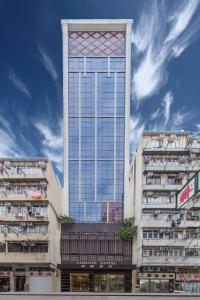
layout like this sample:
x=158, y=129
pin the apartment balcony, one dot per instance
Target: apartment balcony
x=169, y=242
x=165, y=150
x=16, y=257
x=162, y=187
x=159, y=206
x=24, y=237
x=192, y=223
x=22, y=217
x=170, y=261
x=22, y=197
x=168, y=168
x=156, y=223
x=8, y=176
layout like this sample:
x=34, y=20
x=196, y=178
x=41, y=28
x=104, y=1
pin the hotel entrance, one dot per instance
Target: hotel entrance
x=108, y=283
x=79, y=282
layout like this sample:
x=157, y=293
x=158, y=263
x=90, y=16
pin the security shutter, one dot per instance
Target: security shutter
x=40, y=284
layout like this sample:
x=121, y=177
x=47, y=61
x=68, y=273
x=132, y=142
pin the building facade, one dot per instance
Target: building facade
x=167, y=246
x=30, y=202
x=96, y=88
x=96, y=83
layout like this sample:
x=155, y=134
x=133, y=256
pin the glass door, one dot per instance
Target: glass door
x=79, y=282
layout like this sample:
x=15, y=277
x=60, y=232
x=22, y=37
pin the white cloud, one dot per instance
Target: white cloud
x=52, y=143
x=160, y=36
x=155, y=114
x=47, y=62
x=167, y=102
x=18, y=83
x=136, y=129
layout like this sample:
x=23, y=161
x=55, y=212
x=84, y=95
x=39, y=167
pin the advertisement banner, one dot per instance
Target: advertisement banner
x=186, y=193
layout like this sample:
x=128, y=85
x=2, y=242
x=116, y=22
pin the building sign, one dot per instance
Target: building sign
x=198, y=180
x=188, y=277
x=156, y=275
x=186, y=193
x=42, y=274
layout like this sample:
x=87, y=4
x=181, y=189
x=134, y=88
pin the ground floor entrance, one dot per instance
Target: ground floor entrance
x=4, y=284
x=96, y=281
x=79, y=282
x=109, y=282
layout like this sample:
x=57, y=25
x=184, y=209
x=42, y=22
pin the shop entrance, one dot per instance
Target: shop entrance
x=79, y=282
x=20, y=283
x=108, y=283
x=154, y=286
x=4, y=284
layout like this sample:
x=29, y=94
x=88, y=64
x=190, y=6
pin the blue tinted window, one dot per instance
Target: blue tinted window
x=96, y=212
x=76, y=64
x=105, y=180
x=73, y=94
x=120, y=96
x=87, y=94
x=105, y=95
x=87, y=138
x=77, y=211
x=119, y=177
x=120, y=138
x=87, y=181
x=73, y=137
x=105, y=135
x=117, y=64
x=94, y=64
x=74, y=180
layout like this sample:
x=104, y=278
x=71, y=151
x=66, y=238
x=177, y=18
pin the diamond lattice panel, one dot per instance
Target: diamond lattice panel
x=96, y=43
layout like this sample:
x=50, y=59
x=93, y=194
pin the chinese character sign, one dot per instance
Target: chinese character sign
x=186, y=193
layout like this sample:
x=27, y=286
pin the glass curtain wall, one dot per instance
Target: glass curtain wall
x=96, y=108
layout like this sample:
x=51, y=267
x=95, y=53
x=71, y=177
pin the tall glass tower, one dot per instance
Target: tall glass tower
x=96, y=85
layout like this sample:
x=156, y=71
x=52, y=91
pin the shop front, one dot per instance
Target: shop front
x=188, y=282
x=5, y=281
x=156, y=282
x=101, y=281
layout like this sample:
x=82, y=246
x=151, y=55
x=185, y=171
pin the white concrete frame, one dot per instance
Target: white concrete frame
x=98, y=25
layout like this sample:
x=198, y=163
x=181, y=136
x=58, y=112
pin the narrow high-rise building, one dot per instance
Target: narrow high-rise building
x=96, y=83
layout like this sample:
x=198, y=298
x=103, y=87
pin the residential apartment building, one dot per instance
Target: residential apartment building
x=167, y=247
x=96, y=88
x=30, y=202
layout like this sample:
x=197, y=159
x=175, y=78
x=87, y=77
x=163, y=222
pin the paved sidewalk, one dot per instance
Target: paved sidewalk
x=67, y=296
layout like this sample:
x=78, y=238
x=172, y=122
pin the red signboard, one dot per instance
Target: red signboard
x=188, y=277
x=186, y=193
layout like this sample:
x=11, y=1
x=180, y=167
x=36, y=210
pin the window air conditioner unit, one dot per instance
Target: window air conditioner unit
x=41, y=162
x=29, y=224
x=184, y=158
x=149, y=174
x=173, y=136
x=162, y=248
x=193, y=156
x=171, y=140
x=7, y=203
x=6, y=183
x=147, y=159
x=27, y=204
x=156, y=212
x=173, y=193
x=32, y=244
x=181, y=175
x=22, y=224
x=43, y=183
x=24, y=243
x=149, y=194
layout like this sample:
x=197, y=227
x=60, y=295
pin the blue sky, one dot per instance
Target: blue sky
x=165, y=69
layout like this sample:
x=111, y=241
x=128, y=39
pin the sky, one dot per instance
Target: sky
x=165, y=69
